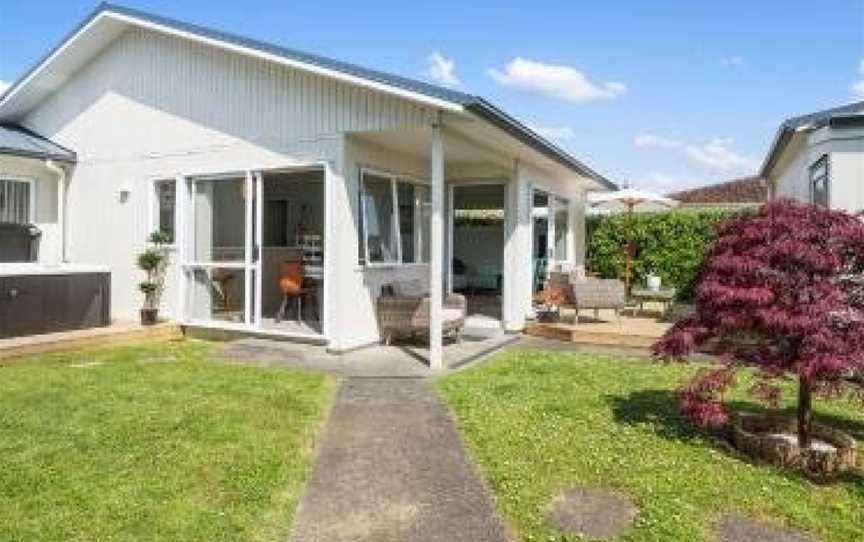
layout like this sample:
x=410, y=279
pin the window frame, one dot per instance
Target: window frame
x=825, y=161
x=31, y=194
x=153, y=215
x=395, y=179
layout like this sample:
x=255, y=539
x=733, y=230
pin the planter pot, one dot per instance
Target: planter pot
x=653, y=282
x=149, y=317
x=774, y=439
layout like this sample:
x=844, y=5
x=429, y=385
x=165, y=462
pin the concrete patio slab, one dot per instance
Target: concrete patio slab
x=374, y=361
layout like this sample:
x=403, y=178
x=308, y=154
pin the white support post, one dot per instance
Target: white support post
x=181, y=226
x=518, y=250
x=249, y=192
x=259, y=248
x=436, y=264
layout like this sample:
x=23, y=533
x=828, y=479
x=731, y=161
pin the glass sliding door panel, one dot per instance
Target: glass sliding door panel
x=216, y=294
x=219, y=214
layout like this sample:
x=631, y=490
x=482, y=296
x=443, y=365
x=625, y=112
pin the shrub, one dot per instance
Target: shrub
x=780, y=290
x=670, y=245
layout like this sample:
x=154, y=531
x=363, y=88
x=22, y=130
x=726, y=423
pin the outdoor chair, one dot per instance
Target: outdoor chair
x=401, y=315
x=591, y=293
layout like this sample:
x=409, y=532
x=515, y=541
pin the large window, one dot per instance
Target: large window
x=166, y=207
x=820, y=182
x=16, y=201
x=394, y=220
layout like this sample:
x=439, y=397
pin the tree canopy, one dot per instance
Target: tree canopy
x=780, y=290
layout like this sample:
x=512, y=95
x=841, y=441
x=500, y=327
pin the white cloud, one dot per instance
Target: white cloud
x=558, y=133
x=732, y=61
x=442, y=70
x=651, y=141
x=556, y=81
x=659, y=183
x=716, y=156
x=3, y=86
x=858, y=86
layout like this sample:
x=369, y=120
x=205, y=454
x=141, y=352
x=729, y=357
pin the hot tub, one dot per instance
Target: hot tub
x=43, y=298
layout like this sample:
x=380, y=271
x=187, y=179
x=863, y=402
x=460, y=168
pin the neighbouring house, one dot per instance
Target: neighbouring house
x=742, y=193
x=819, y=158
x=248, y=154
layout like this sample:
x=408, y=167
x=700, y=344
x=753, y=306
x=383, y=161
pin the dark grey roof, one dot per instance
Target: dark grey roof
x=475, y=104
x=844, y=115
x=18, y=141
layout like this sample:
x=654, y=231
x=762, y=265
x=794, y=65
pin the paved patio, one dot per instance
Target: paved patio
x=406, y=360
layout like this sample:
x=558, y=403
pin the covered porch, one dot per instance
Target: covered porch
x=453, y=207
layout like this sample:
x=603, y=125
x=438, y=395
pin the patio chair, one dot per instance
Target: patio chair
x=401, y=315
x=591, y=293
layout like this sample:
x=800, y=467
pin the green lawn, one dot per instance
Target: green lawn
x=153, y=443
x=538, y=422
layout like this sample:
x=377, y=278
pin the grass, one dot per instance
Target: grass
x=153, y=443
x=540, y=422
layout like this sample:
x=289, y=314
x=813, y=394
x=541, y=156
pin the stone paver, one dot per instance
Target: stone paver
x=391, y=467
x=738, y=528
x=594, y=513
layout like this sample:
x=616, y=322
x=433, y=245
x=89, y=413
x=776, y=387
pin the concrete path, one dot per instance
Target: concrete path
x=391, y=467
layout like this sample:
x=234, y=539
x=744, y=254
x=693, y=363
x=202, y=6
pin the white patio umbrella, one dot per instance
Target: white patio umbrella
x=627, y=199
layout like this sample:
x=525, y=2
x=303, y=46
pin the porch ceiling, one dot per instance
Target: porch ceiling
x=470, y=144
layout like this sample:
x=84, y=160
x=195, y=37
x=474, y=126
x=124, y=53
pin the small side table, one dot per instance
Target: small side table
x=666, y=296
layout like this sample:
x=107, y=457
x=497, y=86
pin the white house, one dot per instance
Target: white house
x=819, y=158
x=246, y=152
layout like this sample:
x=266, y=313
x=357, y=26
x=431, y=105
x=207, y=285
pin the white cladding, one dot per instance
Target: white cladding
x=152, y=106
x=845, y=150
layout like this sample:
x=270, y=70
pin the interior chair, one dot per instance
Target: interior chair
x=294, y=286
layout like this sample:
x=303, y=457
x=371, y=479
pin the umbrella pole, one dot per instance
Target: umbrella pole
x=628, y=249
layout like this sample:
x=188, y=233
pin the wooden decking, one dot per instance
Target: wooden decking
x=632, y=332
x=116, y=333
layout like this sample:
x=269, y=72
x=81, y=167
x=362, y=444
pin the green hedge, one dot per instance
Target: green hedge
x=669, y=244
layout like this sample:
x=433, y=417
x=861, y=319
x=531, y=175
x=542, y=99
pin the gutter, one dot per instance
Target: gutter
x=60, y=171
x=502, y=120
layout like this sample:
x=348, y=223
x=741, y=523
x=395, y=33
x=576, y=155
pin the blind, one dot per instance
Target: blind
x=15, y=201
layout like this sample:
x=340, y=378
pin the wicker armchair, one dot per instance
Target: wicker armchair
x=400, y=315
x=591, y=293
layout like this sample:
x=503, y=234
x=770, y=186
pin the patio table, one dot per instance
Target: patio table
x=639, y=296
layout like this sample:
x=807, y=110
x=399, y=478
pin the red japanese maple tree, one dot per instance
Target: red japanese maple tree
x=780, y=290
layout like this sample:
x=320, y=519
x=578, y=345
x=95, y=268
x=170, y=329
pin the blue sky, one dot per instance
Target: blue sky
x=662, y=94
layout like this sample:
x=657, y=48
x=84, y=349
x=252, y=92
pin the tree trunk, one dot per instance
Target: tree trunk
x=805, y=405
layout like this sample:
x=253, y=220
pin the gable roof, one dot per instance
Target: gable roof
x=849, y=114
x=18, y=141
x=112, y=19
x=737, y=191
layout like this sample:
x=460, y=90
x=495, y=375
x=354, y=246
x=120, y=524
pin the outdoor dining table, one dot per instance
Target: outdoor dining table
x=639, y=296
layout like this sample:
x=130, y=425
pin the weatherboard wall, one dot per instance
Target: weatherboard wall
x=154, y=106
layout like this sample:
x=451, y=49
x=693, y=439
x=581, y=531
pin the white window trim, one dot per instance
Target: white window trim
x=153, y=208
x=811, y=181
x=394, y=178
x=31, y=204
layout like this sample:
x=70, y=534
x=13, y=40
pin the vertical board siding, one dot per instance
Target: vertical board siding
x=231, y=97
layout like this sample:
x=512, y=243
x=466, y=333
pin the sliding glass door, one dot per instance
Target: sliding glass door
x=244, y=234
x=220, y=267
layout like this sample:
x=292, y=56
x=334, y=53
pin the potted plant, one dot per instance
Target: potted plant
x=653, y=282
x=154, y=262
x=548, y=303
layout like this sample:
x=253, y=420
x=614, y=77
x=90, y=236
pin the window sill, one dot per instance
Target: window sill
x=387, y=266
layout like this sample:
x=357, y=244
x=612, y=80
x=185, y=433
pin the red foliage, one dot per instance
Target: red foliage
x=780, y=290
